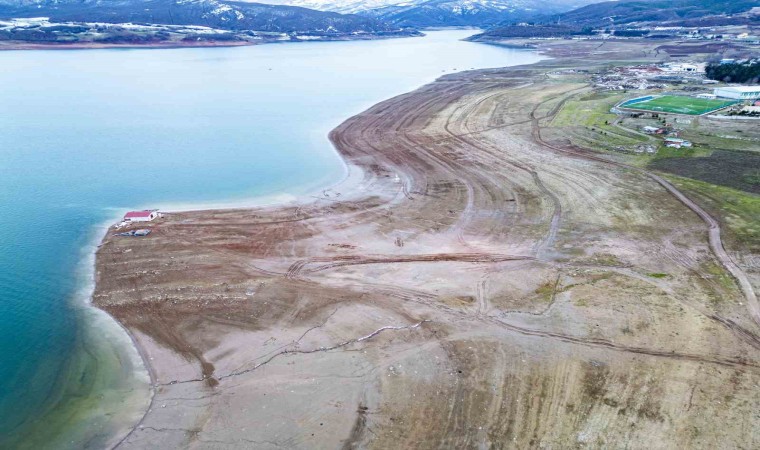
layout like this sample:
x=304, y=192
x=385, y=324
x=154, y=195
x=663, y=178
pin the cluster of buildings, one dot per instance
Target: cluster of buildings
x=630, y=78
x=651, y=76
x=657, y=76
x=670, y=141
x=710, y=33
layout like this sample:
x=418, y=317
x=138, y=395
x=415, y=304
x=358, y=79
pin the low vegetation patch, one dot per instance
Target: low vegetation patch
x=588, y=122
x=737, y=170
x=658, y=275
x=545, y=292
x=738, y=212
x=591, y=110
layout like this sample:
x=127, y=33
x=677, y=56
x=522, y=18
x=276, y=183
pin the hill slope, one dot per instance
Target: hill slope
x=630, y=14
x=438, y=13
x=441, y=13
x=631, y=11
x=228, y=15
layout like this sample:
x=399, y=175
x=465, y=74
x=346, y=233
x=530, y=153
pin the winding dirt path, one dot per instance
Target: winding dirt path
x=713, y=226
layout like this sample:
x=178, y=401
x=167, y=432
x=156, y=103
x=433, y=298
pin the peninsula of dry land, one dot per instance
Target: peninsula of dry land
x=488, y=284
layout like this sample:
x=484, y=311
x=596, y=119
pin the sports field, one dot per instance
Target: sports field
x=677, y=104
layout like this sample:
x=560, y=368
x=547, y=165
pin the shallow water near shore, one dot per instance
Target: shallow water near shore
x=87, y=134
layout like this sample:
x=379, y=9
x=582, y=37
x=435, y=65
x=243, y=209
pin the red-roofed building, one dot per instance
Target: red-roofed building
x=140, y=216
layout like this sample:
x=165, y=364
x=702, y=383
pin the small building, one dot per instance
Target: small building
x=141, y=216
x=707, y=96
x=684, y=67
x=738, y=92
x=676, y=142
x=653, y=130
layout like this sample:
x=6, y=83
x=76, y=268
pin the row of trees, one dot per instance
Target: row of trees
x=734, y=72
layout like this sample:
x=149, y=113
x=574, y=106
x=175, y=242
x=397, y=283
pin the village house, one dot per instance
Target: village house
x=653, y=130
x=141, y=216
x=676, y=142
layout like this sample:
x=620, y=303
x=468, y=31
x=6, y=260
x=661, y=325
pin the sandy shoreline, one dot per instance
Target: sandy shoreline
x=337, y=322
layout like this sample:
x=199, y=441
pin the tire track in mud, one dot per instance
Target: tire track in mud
x=556, y=218
x=457, y=315
x=299, y=267
x=467, y=110
x=421, y=149
x=390, y=137
x=742, y=333
x=713, y=226
x=605, y=344
x=466, y=140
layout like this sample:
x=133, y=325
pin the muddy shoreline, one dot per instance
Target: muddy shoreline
x=477, y=287
x=27, y=45
x=22, y=45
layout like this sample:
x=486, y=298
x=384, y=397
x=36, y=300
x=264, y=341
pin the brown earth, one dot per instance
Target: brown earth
x=478, y=288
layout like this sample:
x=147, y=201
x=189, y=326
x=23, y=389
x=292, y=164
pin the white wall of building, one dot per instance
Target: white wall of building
x=152, y=216
x=738, y=93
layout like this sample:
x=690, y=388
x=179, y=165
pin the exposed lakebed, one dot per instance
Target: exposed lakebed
x=87, y=134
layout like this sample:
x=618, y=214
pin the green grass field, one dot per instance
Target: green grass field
x=680, y=105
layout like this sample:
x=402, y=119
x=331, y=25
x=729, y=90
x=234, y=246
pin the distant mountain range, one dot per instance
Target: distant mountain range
x=217, y=14
x=476, y=13
x=626, y=15
x=339, y=6
x=348, y=18
x=653, y=11
x=441, y=13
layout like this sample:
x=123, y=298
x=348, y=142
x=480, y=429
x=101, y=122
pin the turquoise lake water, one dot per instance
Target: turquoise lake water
x=85, y=135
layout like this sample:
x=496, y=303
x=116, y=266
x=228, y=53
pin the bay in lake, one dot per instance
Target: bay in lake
x=86, y=134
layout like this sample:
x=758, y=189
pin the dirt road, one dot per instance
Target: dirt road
x=713, y=226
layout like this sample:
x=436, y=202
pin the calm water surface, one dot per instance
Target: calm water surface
x=86, y=134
